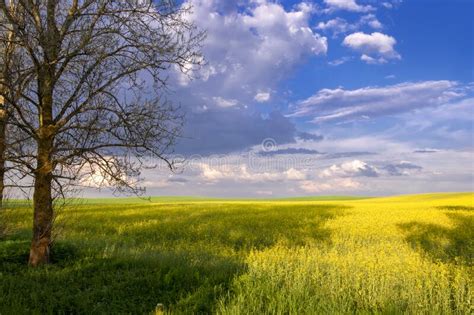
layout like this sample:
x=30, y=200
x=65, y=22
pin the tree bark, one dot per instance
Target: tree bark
x=42, y=196
x=43, y=205
x=3, y=124
x=3, y=118
x=5, y=62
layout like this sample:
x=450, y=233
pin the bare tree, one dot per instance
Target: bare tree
x=3, y=125
x=95, y=105
x=6, y=59
x=11, y=139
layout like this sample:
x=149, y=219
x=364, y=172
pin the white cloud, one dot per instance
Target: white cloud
x=348, y=5
x=341, y=104
x=357, y=168
x=372, y=21
x=335, y=185
x=375, y=24
x=338, y=62
x=350, y=169
x=339, y=25
x=262, y=97
x=294, y=174
x=373, y=61
x=222, y=102
x=336, y=26
x=252, y=50
x=372, y=46
x=251, y=175
x=391, y=4
x=241, y=173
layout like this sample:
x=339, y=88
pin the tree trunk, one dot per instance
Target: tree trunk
x=5, y=63
x=43, y=206
x=3, y=124
x=42, y=196
x=3, y=120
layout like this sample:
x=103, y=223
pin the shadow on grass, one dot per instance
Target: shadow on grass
x=181, y=281
x=128, y=262
x=239, y=228
x=454, y=244
x=456, y=208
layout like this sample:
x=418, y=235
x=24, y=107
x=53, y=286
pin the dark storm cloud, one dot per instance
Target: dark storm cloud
x=401, y=168
x=220, y=131
x=309, y=136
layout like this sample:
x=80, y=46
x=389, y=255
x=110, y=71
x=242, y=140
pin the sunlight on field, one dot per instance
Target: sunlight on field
x=399, y=254
x=407, y=254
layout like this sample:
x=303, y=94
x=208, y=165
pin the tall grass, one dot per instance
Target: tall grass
x=410, y=254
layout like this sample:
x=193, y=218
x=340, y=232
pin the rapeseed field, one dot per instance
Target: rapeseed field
x=407, y=254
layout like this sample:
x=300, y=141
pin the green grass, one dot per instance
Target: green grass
x=180, y=199
x=325, y=198
x=200, y=255
x=177, y=199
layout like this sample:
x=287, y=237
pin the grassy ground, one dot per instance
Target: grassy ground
x=382, y=255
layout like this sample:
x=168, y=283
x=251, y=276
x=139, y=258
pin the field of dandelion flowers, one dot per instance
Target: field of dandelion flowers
x=407, y=254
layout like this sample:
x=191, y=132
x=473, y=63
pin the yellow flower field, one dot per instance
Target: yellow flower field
x=402, y=254
x=407, y=254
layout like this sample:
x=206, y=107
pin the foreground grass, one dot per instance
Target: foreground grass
x=385, y=255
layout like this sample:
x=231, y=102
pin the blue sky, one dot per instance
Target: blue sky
x=326, y=97
x=435, y=39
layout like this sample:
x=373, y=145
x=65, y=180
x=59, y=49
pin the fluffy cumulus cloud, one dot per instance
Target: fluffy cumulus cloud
x=249, y=50
x=373, y=61
x=372, y=21
x=350, y=169
x=357, y=168
x=347, y=5
x=341, y=104
x=419, y=132
x=338, y=177
x=338, y=25
x=328, y=166
x=375, y=48
x=262, y=97
x=241, y=173
x=251, y=47
x=348, y=176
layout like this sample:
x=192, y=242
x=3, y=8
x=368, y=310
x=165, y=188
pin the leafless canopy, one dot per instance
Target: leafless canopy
x=101, y=66
x=84, y=94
